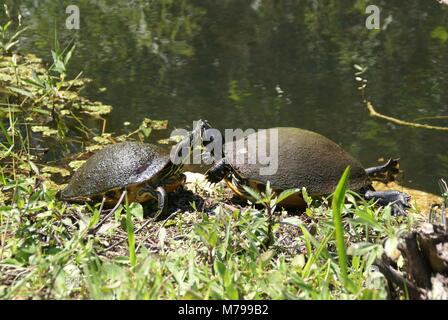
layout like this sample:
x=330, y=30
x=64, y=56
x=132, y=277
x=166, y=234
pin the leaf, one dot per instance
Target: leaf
x=306, y=197
x=94, y=220
x=298, y=261
x=146, y=131
x=59, y=66
x=34, y=167
x=337, y=207
x=54, y=55
x=294, y=221
x=361, y=248
x=136, y=210
x=286, y=194
x=365, y=218
x=131, y=237
x=34, y=83
x=7, y=25
x=18, y=33
x=440, y=33
x=253, y=193
x=320, y=250
x=20, y=91
x=69, y=54
x=268, y=188
x=11, y=44
x=220, y=268
x=232, y=292
x=155, y=124
x=6, y=134
x=316, y=243
x=360, y=69
x=96, y=109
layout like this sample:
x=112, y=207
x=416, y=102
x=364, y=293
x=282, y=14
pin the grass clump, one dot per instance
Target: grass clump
x=225, y=252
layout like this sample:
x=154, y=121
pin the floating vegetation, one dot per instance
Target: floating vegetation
x=46, y=131
x=53, y=170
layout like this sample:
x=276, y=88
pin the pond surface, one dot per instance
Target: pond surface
x=258, y=64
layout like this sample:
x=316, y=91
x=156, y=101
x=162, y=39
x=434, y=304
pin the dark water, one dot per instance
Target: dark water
x=258, y=64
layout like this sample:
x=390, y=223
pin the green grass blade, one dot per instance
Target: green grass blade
x=253, y=193
x=131, y=235
x=338, y=206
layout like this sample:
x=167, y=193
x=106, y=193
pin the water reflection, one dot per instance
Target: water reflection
x=265, y=63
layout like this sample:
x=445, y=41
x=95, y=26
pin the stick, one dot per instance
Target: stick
x=374, y=113
x=97, y=227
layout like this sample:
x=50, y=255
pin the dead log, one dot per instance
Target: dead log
x=425, y=271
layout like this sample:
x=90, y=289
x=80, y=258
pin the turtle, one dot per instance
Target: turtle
x=305, y=159
x=145, y=171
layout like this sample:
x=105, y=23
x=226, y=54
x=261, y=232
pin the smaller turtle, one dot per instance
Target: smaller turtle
x=145, y=171
x=305, y=159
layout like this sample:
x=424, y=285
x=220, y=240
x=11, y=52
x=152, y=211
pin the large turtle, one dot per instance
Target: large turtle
x=144, y=170
x=305, y=159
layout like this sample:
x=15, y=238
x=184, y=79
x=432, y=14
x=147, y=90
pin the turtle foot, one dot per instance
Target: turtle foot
x=398, y=200
x=218, y=172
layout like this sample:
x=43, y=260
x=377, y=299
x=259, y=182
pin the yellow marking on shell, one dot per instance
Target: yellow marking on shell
x=235, y=189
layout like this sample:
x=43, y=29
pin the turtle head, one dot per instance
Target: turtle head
x=195, y=139
x=197, y=135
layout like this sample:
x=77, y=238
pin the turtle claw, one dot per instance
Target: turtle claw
x=398, y=200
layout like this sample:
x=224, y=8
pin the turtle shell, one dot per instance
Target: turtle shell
x=305, y=159
x=116, y=166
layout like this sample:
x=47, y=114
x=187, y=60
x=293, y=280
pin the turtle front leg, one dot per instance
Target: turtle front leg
x=159, y=193
x=399, y=200
x=385, y=172
x=219, y=171
x=161, y=200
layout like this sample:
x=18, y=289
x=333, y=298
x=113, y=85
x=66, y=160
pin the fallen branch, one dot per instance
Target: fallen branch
x=374, y=113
